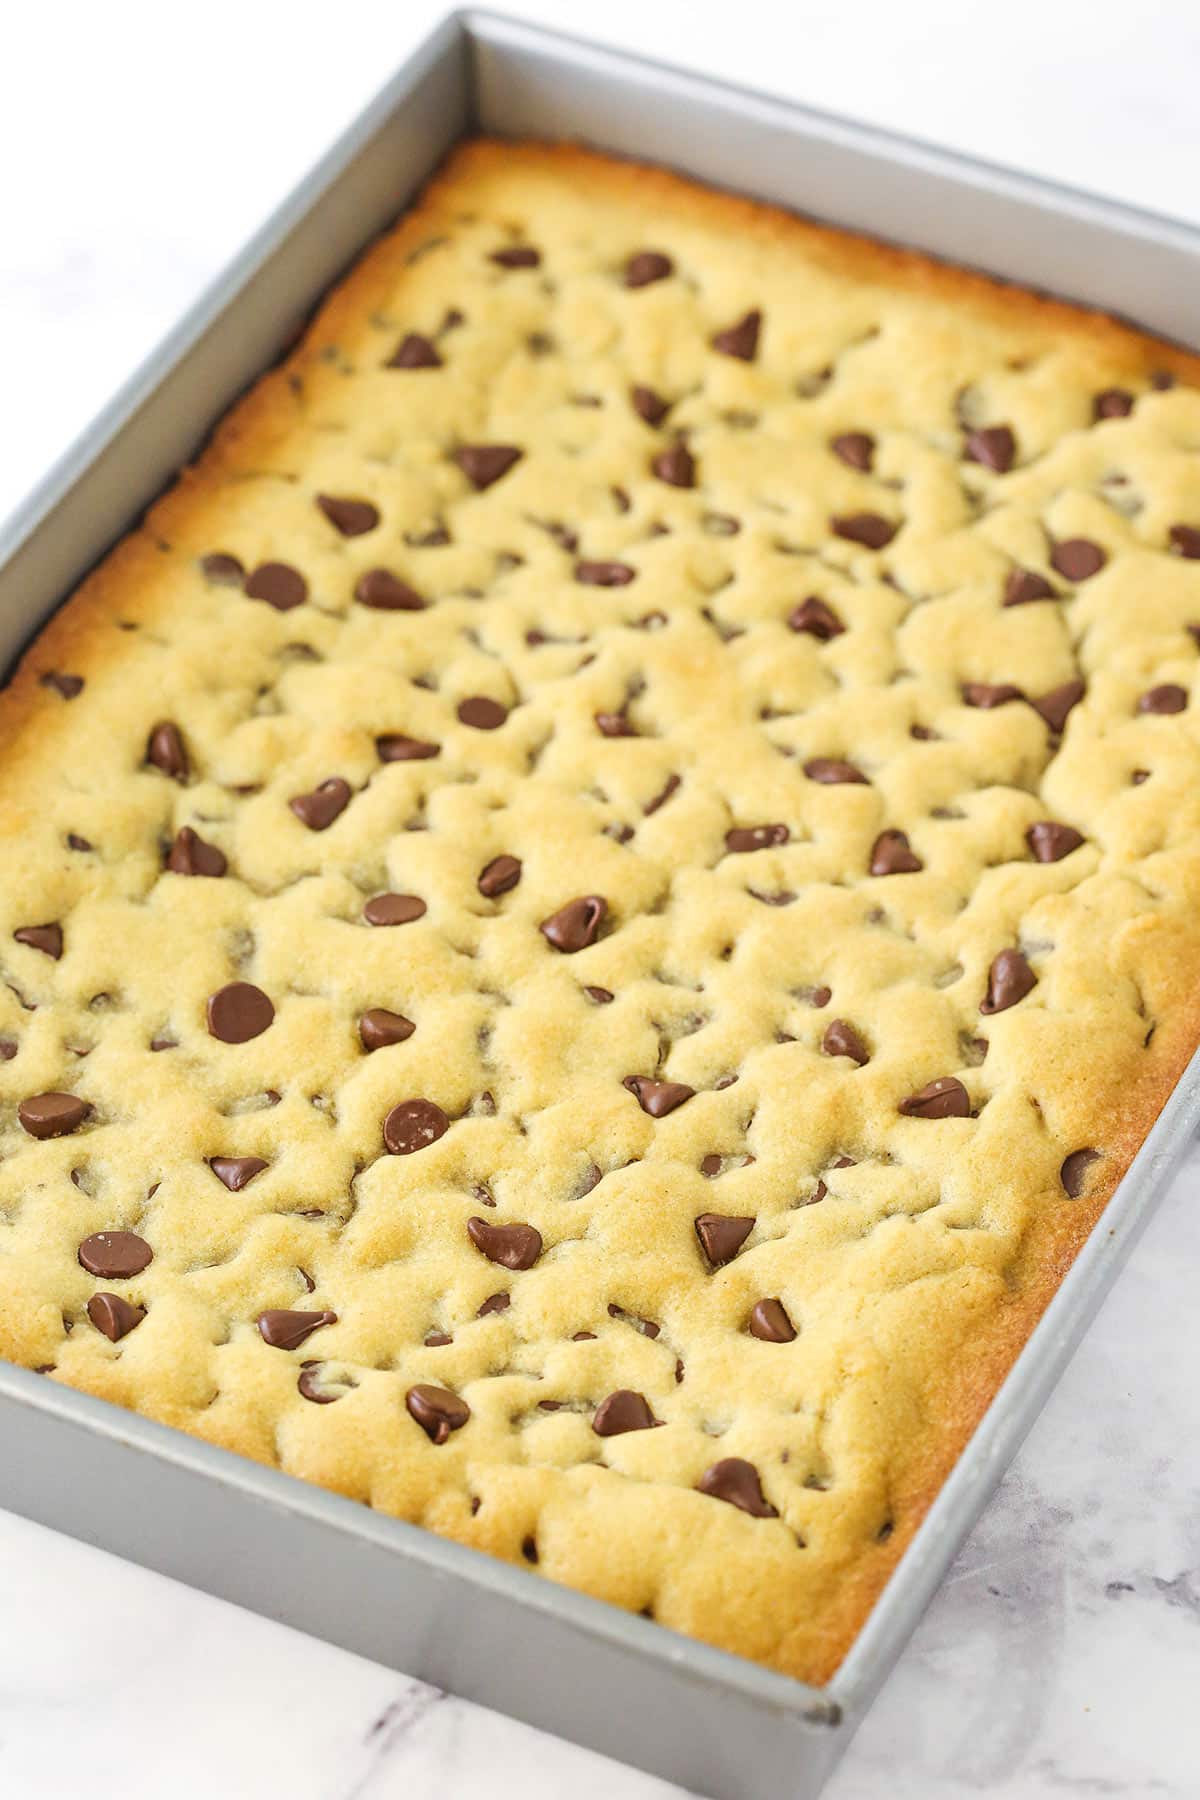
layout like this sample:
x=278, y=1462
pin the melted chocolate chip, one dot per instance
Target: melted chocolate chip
x=52, y=1115
x=1050, y=841
x=284, y=1330
x=663, y=795
x=841, y=1039
x=1113, y=403
x=649, y=406
x=1073, y=1173
x=278, y=584
x=1026, y=585
x=1168, y=698
x=69, y=686
x=1055, y=706
x=676, y=466
x=1185, y=542
x=353, y=518
x=309, y=1385
x=574, y=926
x=816, y=618
x=114, y=1316
x=481, y=713
x=323, y=805
x=191, y=855
x=737, y=1481
x=721, y=1238
x=378, y=1028
x=393, y=909
x=601, y=996
x=437, y=1411
x=646, y=266
x=115, y=1255
x=236, y=1172
x=1009, y=980
x=604, y=574
x=1077, y=559
x=414, y=1125
x=165, y=750
x=831, y=772
x=741, y=338
x=745, y=838
x=495, y=1303
x=385, y=592
x=393, y=746
x=986, y=695
x=46, y=938
x=414, y=352
x=870, y=529
x=484, y=464
x=891, y=854
x=945, y=1098
x=512, y=1246
x=516, y=256
x=994, y=447
x=223, y=569
x=499, y=876
x=657, y=1097
x=239, y=1012
x=769, y=1321
x=621, y=1412
x=856, y=449
x=614, y=725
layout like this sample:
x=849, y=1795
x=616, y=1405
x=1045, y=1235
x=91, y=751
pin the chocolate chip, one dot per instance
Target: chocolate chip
x=414, y=1125
x=744, y=838
x=657, y=1097
x=1055, y=706
x=495, y=1303
x=393, y=746
x=841, y=1039
x=646, y=266
x=1169, y=698
x=816, y=618
x=855, y=448
x=721, y=1238
x=676, y=466
x=414, y=352
x=225, y=570
x=1009, y=980
x=1050, y=841
x=600, y=995
x=481, y=713
x=945, y=1098
x=377, y=1028
x=8, y=1049
x=52, y=1115
x=436, y=1340
x=891, y=854
x=484, y=464
x=1185, y=542
x=737, y=1481
x=323, y=805
x=1077, y=559
x=236, y=1172
x=994, y=447
x=69, y=686
x=46, y=938
x=517, y=256
x=574, y=926
x=604, y=574
x=114, y=1316
x=621, y=1412
x=614, y=725
x=351, y=517
x=867, y=528
x=437, y=1411
x=741, y=338
x=287, y=1330
x=239, y=1012
x=278, y=584
x=165, y=750
x=769, y=1321
x=512, y=1246
x=663, y=795
x=393, y=909
x=1073, y=1173
x=649, y=406
x=309, y=1385
x=986, y=695
x=499, y=876
x=1113, y=403
x=1024, y=585
x=115, y=1255
x=191, y=855
x=831, y=772
x=385, y=592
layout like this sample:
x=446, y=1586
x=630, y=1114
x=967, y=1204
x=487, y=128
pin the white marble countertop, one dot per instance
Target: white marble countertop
x=1062, y=1656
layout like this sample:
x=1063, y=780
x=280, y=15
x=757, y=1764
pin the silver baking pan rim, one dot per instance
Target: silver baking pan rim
x=747, y=1728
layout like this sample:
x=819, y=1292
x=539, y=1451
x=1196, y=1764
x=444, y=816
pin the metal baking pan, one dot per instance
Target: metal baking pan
x=710, y=1721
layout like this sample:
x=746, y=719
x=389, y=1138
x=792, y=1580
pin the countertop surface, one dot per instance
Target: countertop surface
x=1062, y=1655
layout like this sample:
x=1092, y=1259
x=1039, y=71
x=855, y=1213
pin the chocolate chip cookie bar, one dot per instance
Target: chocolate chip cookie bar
x=599, y=896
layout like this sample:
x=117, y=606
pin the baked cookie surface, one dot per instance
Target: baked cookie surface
x=600, y=896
